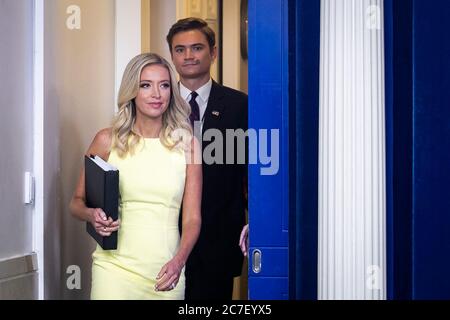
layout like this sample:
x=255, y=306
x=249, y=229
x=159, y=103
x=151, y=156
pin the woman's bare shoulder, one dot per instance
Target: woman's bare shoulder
x=101, y=145
x=104, y=137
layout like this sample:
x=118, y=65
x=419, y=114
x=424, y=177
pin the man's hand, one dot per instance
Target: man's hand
x=243, y=241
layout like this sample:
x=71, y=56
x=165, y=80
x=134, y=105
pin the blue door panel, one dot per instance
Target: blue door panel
x=398, y=74
x=418, y=148
x=277, y=259
x=431, y=151
x=304, y=116
x=268, y=288
x=266, y=41
x=269, y=110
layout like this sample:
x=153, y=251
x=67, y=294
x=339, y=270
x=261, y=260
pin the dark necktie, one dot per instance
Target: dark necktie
x=195, y=110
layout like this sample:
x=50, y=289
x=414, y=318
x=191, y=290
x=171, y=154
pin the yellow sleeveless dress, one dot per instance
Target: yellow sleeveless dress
x=151, y=185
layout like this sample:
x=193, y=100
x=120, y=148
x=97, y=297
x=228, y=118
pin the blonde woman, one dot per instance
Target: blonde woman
x=155, y=177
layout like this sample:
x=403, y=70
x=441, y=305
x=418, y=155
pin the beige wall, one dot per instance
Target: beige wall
x=79, y=89
x=244, y=76
x=162, y=17
x=231, y=44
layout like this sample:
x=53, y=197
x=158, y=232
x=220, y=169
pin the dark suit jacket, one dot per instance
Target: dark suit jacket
x=223, y=200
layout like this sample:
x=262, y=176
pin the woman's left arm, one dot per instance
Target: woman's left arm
x=191, y=220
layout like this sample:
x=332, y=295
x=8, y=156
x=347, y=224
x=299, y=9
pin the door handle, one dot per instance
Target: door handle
x=256, y=260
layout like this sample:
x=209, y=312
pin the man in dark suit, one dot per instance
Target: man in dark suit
x=216, y=258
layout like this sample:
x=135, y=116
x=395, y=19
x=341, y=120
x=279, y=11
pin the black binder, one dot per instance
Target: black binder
x=102, y=191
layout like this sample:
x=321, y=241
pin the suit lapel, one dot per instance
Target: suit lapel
x=215, y=108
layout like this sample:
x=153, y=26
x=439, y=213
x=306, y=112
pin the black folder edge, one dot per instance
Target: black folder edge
x=111, y=201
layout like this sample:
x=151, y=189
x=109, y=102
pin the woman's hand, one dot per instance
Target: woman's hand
x=169, y=275
x=104, y=226
x=243, y=241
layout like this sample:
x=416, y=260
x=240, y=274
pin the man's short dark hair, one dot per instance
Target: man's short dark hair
x=189, y=24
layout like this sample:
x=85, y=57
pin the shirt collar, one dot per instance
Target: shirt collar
x=203, y=92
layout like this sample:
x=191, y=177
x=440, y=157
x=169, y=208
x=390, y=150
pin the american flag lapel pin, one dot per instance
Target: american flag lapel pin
x=216, y=113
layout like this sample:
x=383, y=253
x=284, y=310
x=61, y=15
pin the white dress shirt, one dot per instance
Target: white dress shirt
x=202, y=98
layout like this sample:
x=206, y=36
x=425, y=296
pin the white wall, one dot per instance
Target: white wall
x=17, y=278
x=16, y=98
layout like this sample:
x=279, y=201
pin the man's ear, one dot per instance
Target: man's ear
x=214, y=53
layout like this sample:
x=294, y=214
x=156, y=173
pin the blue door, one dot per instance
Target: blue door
x=284, y=39
x=284, y=50
x=268, y=110
x=418, y=148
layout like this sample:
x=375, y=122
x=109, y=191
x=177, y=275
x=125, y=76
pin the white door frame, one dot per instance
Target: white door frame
x=38, y=137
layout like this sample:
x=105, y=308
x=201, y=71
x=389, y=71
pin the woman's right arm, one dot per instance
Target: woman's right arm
x=100, y=146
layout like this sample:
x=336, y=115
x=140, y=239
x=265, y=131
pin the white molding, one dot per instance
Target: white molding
x=352, y=203
x=128, y=36
x=17, y=266
x=38, y=137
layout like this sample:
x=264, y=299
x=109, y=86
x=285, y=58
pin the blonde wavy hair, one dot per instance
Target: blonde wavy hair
x=175, y=118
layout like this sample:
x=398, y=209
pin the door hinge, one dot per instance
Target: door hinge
x=28, y=194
